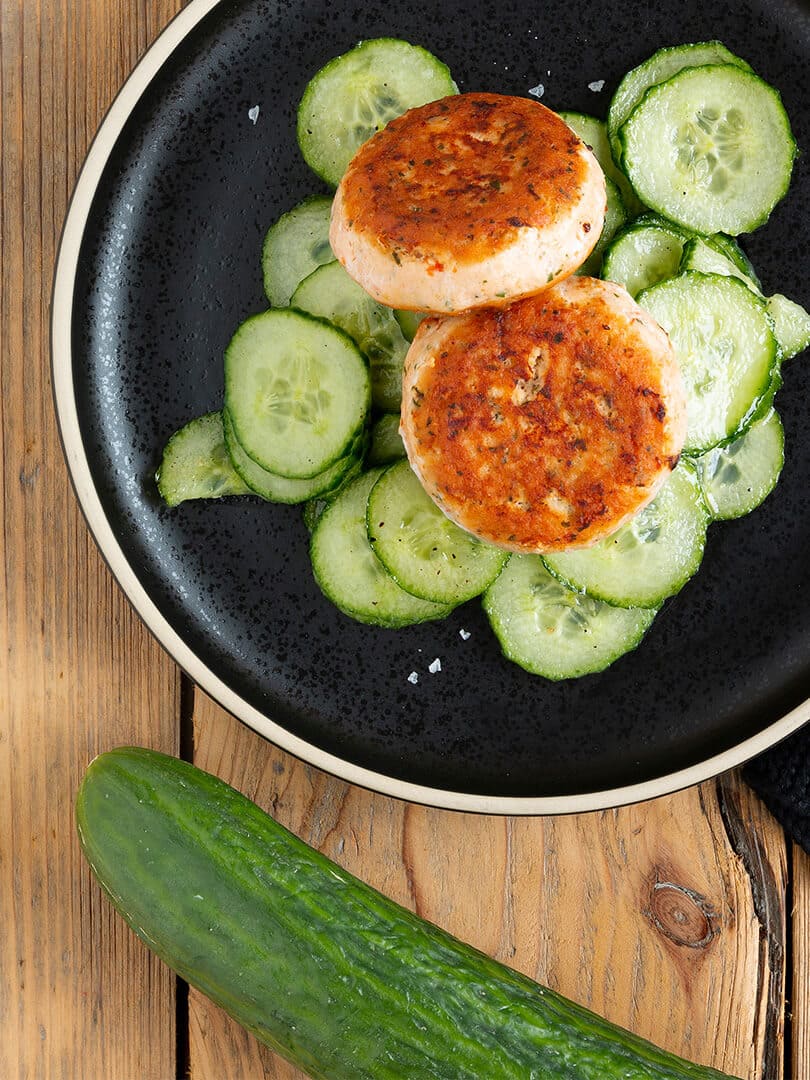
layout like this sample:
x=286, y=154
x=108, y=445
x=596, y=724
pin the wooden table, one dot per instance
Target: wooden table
x=686, y=919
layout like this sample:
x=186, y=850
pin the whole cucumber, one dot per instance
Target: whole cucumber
x=328, y=972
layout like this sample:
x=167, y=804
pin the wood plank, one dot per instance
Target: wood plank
x=667, y=917
x=799, y=984
x=79, y=995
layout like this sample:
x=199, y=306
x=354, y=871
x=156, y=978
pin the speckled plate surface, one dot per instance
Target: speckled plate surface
x=159, y=264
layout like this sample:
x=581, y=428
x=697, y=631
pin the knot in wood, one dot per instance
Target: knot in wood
x=682, y=915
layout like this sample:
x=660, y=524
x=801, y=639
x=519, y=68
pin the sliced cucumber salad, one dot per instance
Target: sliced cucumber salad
x=663, y=65
x=422, y=549
x=736, y=478
x=294, y=246
x=649, y=250
x=196, y=463
x=648, y=559
x=349, y=572
x=696, y=149
x=554, y=631
x=330, y=293
x=358, y=93
x=711, y=148
x=297, y=391
x=726, y=349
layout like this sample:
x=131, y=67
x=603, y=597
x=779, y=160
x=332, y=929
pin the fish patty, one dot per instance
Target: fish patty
x=544, y=425
x=471, y=200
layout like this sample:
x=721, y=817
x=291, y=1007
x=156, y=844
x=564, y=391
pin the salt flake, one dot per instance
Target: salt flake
x=596, y=86
x=465, y=635
x=435, y=666
x=538, y=91
x=253, y=114
x=413, y=678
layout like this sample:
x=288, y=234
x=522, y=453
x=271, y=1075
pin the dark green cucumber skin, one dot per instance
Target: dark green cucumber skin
x=343, y=982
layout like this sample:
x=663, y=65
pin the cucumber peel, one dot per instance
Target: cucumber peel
x=340, y=980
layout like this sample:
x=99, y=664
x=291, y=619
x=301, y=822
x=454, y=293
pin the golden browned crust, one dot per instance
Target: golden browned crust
x=465, y=172
x=544, y=425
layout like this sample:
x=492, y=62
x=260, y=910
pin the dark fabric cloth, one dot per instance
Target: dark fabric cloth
x=781, y=778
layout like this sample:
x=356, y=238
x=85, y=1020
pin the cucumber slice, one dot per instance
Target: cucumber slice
x=313, y=508
x=790, y=322
x=356, y=94
x=297, y=391
x=725, y=347
x=296, y=245
x=281, y=489
x=729, y=247
x=196, y=465
x=791, y=325
x=737, y=478
x=710, y=149
x=615, y=217
x=350, y=574
x=409, y=322
x=423, y=550
x=386, y=442
x=593, y=133
x=550, y=630
x=767, y=402
x=386, y=387
x=662, y=65
x=643, y=254
x=700, y=254
x=650, y=557
x=330, y=293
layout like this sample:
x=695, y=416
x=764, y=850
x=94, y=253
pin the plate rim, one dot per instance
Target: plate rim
x=171, y=641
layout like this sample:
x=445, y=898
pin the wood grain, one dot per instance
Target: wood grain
x=79, y=995
x=655, y=915
x=671, y=917
x=798, y=989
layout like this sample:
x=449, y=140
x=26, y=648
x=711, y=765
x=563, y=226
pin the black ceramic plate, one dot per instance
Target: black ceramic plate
x=160, y=262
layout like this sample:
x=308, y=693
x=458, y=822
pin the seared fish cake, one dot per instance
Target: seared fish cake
x=471, y=200
x=546, y=424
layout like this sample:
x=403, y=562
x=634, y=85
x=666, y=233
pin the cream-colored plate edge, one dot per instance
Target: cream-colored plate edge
x=61, y=333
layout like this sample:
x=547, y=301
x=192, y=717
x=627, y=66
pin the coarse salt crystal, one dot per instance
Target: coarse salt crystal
x=464, y=635
x=435, y=666
x=413, y=678
x=596, y=86
x=538, y=91
x=253, y=114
